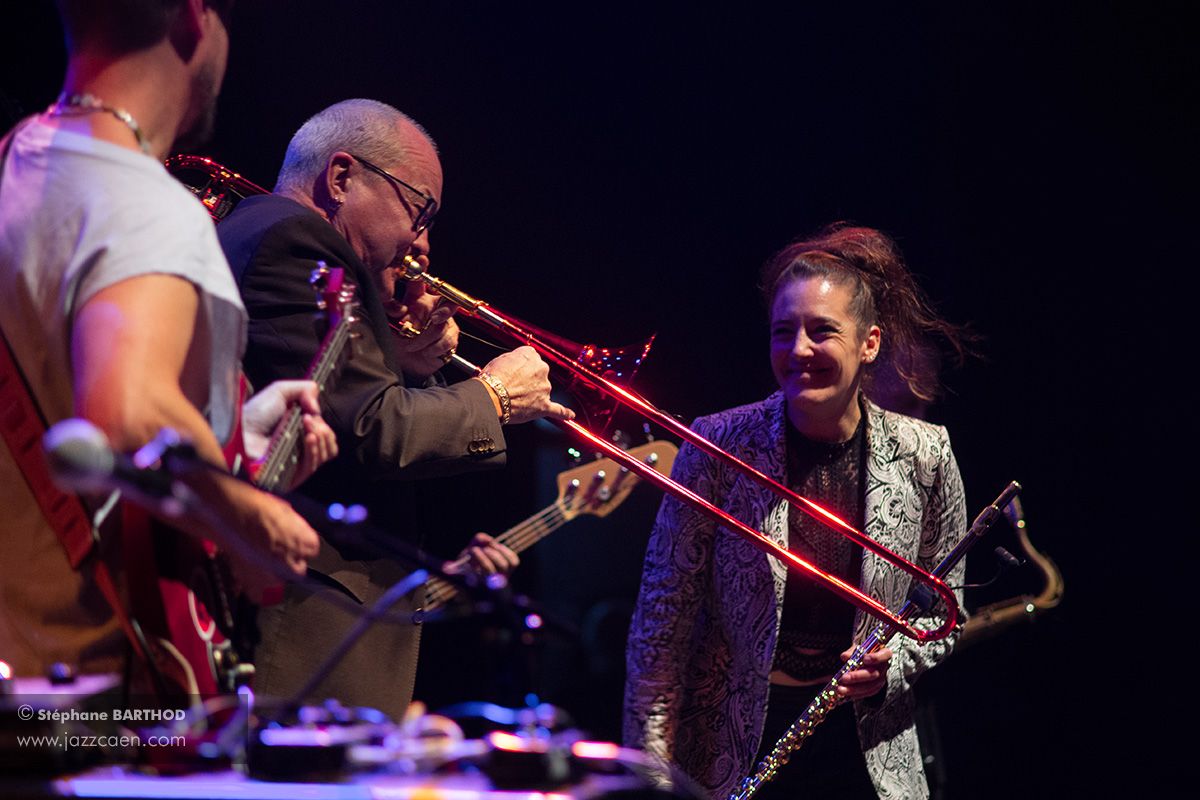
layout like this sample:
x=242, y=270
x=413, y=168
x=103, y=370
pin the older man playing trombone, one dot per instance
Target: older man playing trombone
x=359, y=187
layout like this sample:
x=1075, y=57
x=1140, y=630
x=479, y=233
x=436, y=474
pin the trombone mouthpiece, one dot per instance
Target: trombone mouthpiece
x=412, y=269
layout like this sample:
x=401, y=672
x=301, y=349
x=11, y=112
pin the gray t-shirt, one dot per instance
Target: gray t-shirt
x=78, y=215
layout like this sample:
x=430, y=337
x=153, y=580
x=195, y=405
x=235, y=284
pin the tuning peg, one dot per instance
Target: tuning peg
x=572, y=490
x=616, y=485
x=597, y=490
x=649, y=460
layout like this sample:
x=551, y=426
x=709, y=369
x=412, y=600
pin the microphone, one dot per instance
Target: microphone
x=81, y=460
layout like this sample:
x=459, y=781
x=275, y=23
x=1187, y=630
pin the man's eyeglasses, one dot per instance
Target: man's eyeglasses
x=423, y=219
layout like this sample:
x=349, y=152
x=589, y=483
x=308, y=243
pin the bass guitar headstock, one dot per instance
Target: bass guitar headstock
x=599, y=486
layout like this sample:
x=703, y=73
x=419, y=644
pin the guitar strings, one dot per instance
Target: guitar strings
x=533, y=528
x=519, y=537
x=280, y=449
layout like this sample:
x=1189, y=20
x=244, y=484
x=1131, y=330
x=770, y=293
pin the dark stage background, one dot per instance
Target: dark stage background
x=616, y=169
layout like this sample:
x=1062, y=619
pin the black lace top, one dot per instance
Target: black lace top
x=818, y=625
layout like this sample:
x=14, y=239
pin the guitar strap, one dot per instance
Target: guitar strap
x=22, y=427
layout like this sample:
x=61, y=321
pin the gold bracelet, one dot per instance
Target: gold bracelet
x=501, y=395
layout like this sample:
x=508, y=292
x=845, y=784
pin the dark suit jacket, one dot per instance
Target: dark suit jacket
x=387, y=431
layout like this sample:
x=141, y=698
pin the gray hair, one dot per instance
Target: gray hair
x=366, y=128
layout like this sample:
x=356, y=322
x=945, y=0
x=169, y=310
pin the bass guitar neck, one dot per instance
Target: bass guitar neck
x=596, y=488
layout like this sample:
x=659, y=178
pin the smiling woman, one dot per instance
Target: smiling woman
x=819, y=349
x=726, y=647
x=881, y=295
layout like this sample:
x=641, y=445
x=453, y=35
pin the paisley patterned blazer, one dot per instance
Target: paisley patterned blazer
x=702, y=640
